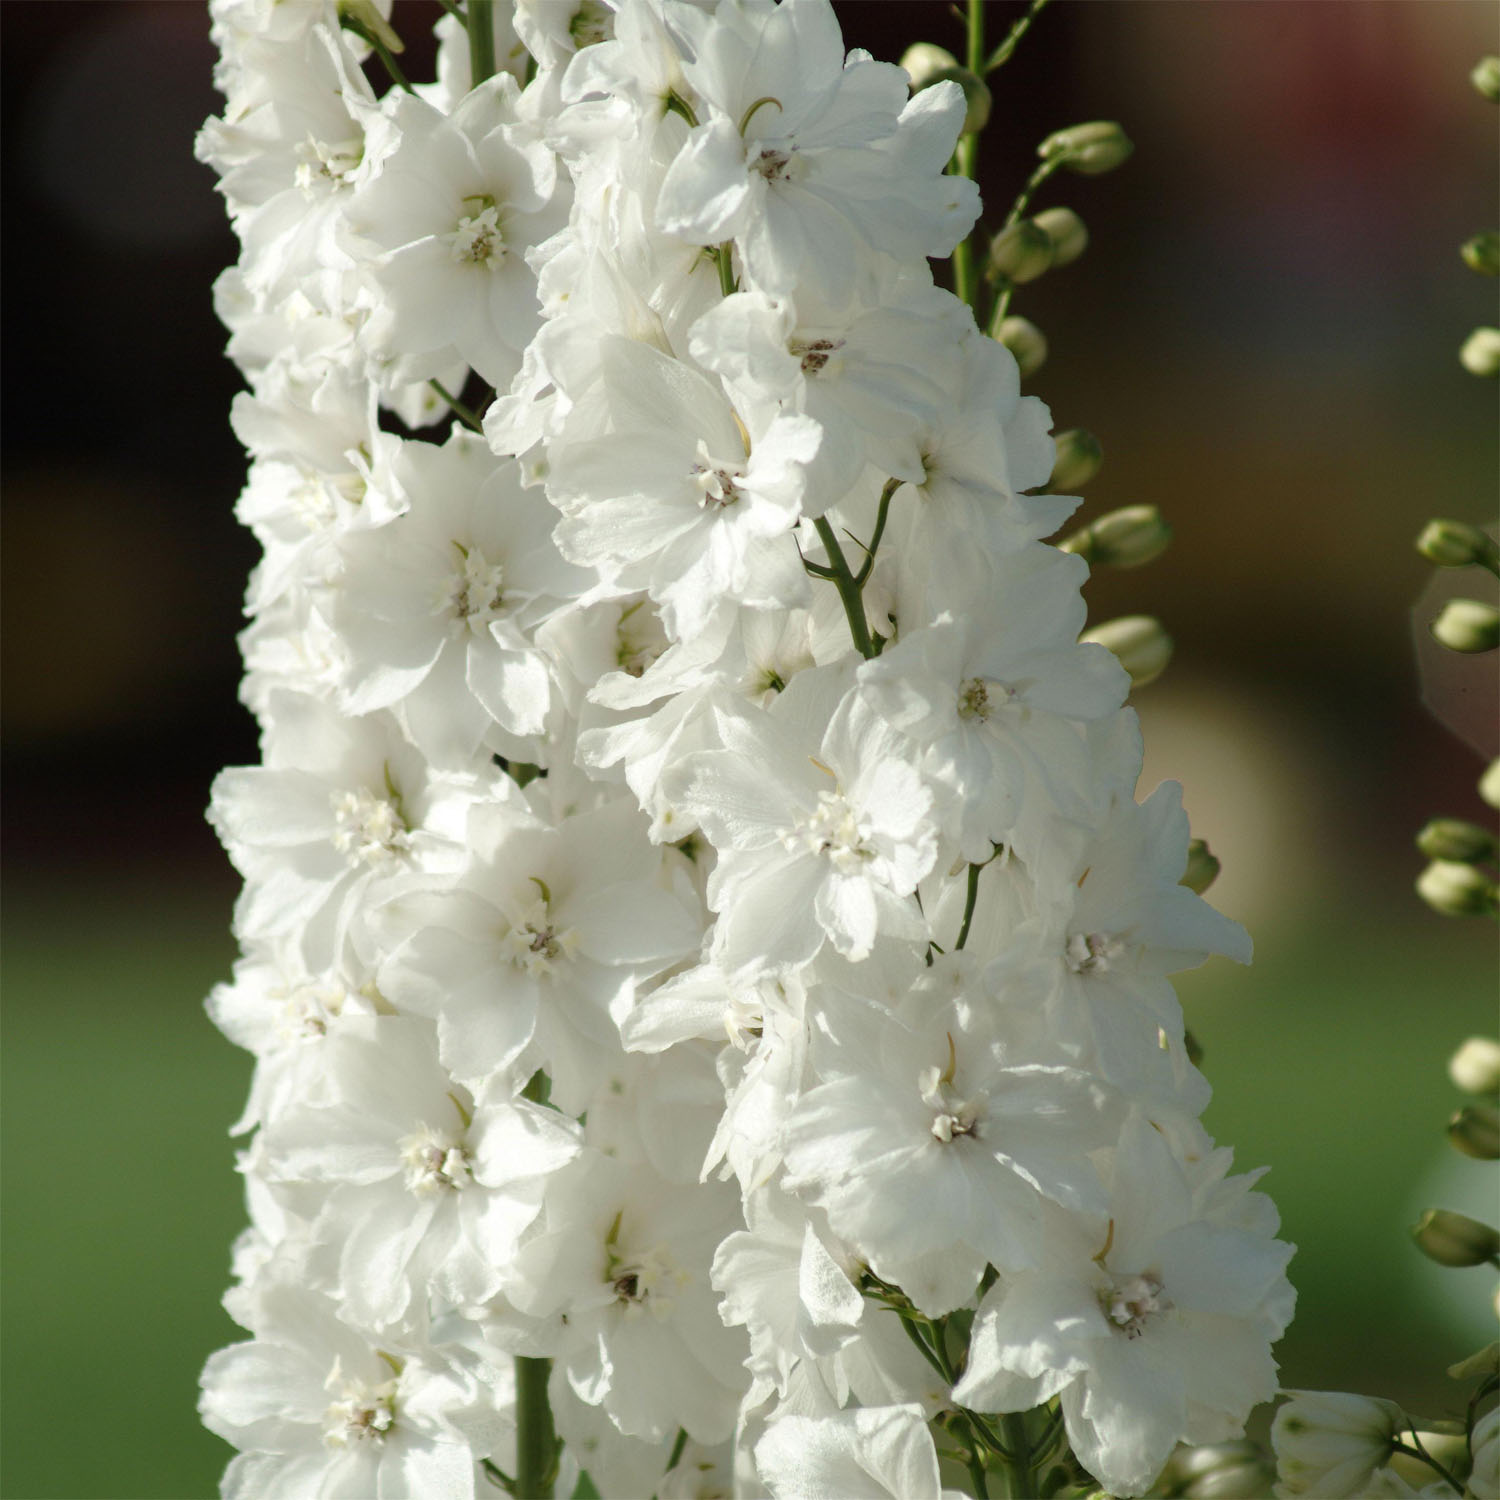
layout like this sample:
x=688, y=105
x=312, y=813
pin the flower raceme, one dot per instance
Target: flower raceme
x=695, y=898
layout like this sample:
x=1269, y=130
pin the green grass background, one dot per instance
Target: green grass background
x=120, y=1199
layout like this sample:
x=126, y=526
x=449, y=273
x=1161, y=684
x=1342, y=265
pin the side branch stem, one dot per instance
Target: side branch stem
x=843, y=581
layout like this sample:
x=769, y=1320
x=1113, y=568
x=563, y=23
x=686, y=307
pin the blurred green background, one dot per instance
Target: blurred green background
x=1262, y=333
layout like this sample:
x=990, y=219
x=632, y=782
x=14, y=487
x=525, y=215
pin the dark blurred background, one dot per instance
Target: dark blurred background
x=1263, y=333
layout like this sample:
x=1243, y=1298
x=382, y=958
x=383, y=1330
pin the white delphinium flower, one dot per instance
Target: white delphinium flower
x=870, y=1453
x=621, y=1262
x=932, y=1141
x=822, y=832
x=542, y=939
x=319, y=1409
x=444, y=228
x=1155, y=1331
x=341, y=808
x=1329, y=1443
x=809, y=161
x=414, y=1188
x=680, y=497
x=439, y=609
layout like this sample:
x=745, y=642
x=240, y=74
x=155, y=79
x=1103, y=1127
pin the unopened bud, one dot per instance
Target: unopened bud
x=1140, y=643
x=1021, y=253
x=1467, y=625
x=363, y=16
x=923, y=61
x=1484, y=1361
x=1099, y=146
x=1452, y=838
x=1202, y=867
x=976, y=95
x=1068, y=233
x=1456, y=890
x=1475, y=1067
x=1453, y=544
x=1079, y=458
x=1455, y=1239
x=1026, y=341
x=1480, y=354
x=1475, y=1130
x=1486, y=77
x=1125, y=538
x=1220, y=1471
x=1482, y=253
x=1489, y=784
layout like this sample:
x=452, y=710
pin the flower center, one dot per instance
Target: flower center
x=1130, y=1300
x=535, y=945
x=321, y=163
x=717, y=487
x=477, y=238
x=473, y=593
x=434, y=1162
x=1094, y=952
x=639, y=639
x=369, y=829
x=362, y=1414
x=593, y=22
x=814, y=353
x=644, y=1282
x=982, y=697
x=952, y=1115
x=833, y=828
x=776, y=163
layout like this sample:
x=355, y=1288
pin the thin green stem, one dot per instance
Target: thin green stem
x=966, y=158
x=465, y=414
x=1005, y=288
x=926, y=1349
x=481, y=26
x=536, y=1442
x=497, y=1476
x=456, y=11
x=891, y=486
x=1002, y=54
x=677, y=1448
x=724, y=259
x=1020, y=1482
x=843, y=581
x=1423, y=1456
x=976, y=1470
x=970, y=897
x=388, y=62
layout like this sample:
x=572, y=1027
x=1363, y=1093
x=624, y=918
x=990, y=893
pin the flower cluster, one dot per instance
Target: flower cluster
x=698, y=926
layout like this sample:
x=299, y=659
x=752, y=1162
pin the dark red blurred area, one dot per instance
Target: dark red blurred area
x=1263, y=333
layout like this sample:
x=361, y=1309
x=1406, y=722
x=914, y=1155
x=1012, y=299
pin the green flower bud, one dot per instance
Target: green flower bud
x=1452, y=544
x=1219, y=1471
x=1456, y=890
x=923, y=61
x=1455, y=1239
x=1067, y=232
x=1202, y=867
x=1452, y=838
x=1100, y=146
x=1125, y=538
x=1489, y=784
x=1480, y=354
x=1027, y=342
x=1475, y=1067
x=1485, y=1362
x=1475, y=1130
x=976, y=95
x=1020, y=253
x=1482, y=253
x=1486, y=77
x=1467, y=625
x=1079, y=458
x=1140, y=643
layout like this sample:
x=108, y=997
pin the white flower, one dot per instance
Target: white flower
x=870, y=1453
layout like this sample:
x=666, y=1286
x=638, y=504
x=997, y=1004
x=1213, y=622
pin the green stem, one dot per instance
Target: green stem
x=976, y=1470
x=843, y=581
x=481, y=25
x=536, y=1442
x=891, y=486
x=966, y=158
x=1020, y=1483
x=392, y=67
x=1017, y=209
x=1423, y=1456
x=1002, y=54
x=456, y=11
x=724, y=259
x=677, y=1448
x=465, y=414
x=970, y=897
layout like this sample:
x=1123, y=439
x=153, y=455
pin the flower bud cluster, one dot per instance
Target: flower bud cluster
x=694, y=886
